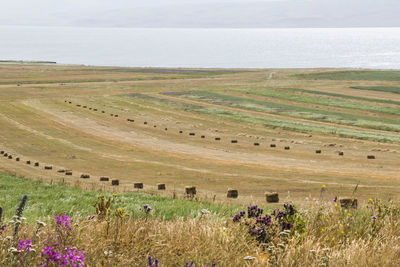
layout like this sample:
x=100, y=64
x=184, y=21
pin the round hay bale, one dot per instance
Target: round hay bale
x=17, y=159
x=166, y=129
x=138, y=185
x=103, y=111
x=348, y=203
x=341, y=153
x=70, y=102
x=145, y=122
x=90, y=108
x=28, y=162
x=180, y=131
x=232, y=193
x=155, y=126
x=272, y=145
x=203, y=136
x=112, y=115
x=61, y=171
x=5, y=155
x=104, y=179
x=192, y=134
x=116, y=116
x=115, y=182
x=256, y=144
x=370, y=157
x=10, y=156
x=36, y=164
x=2, y=152
x=190, y=190
x=161, y=186
x=85, y=176
x=68, y=173
x=272, y=197
x=217, y=138
x=318, y=151
x=78, y=105
x=234, y=141
x=287, y=147
x=48, y=167
x=84, y=106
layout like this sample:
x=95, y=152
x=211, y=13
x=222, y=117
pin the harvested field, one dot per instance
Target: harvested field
x=250, y=123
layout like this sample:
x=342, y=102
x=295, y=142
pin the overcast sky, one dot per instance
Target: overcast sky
x=201, y=13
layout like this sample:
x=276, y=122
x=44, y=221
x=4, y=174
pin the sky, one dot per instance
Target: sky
x=201, y=13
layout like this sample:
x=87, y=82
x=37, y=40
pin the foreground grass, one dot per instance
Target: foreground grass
x=49, y=200
x=322, y=235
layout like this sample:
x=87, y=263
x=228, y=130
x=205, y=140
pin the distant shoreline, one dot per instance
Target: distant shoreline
x=27, y=62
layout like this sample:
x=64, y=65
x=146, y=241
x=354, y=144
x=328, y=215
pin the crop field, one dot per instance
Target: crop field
x=208, y=128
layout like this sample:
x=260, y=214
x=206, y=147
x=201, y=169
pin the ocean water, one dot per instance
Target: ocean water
x=218, y=48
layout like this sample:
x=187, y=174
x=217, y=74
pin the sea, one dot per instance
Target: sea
x=373, y=48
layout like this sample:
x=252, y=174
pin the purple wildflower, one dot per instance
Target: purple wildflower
x=152, y=263
x=373, y=217
x=50, y=256
x=335, y=199
x=71, y=257
x=64, y=221
x=187, y=264
x=24, y=245
x=146, y=208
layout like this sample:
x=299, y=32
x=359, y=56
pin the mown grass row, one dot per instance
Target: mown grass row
x=353, y=75
x=295, y=111
x=49, y=200
x=297, y=126
x=333, y=100
x=387, y=89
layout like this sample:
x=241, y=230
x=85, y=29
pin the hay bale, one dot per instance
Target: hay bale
x=112, y=115
x=192, y=134
x=166, y=129
x=341, y=153
x=5, y=155
x=103, y=111
x=36, y=164
x=155, y=126
x=69, y=173
x=138, y=185
x=48, y=167
x=232, y=193
x=287, y=147
x=145, y=122
x=234, y=141
x=78, y=105
x=217, y=138
x=2, y=152
x=203, y=136
x=348, y=203
x=161, y=186
x=95, y=109
x=10, y=156
x=17, y=159
x=85, y=176
x=116, y=116
x=115, y=182
x=180, y=131
x=104, y=179
x=318, y=151
x=84, y=106
x=256, y=144
x=28, y=162
x=61, y=171
x=272, y=197
x=370, y=157
x=90, y=108
x=272, y=145
x=190, y=190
